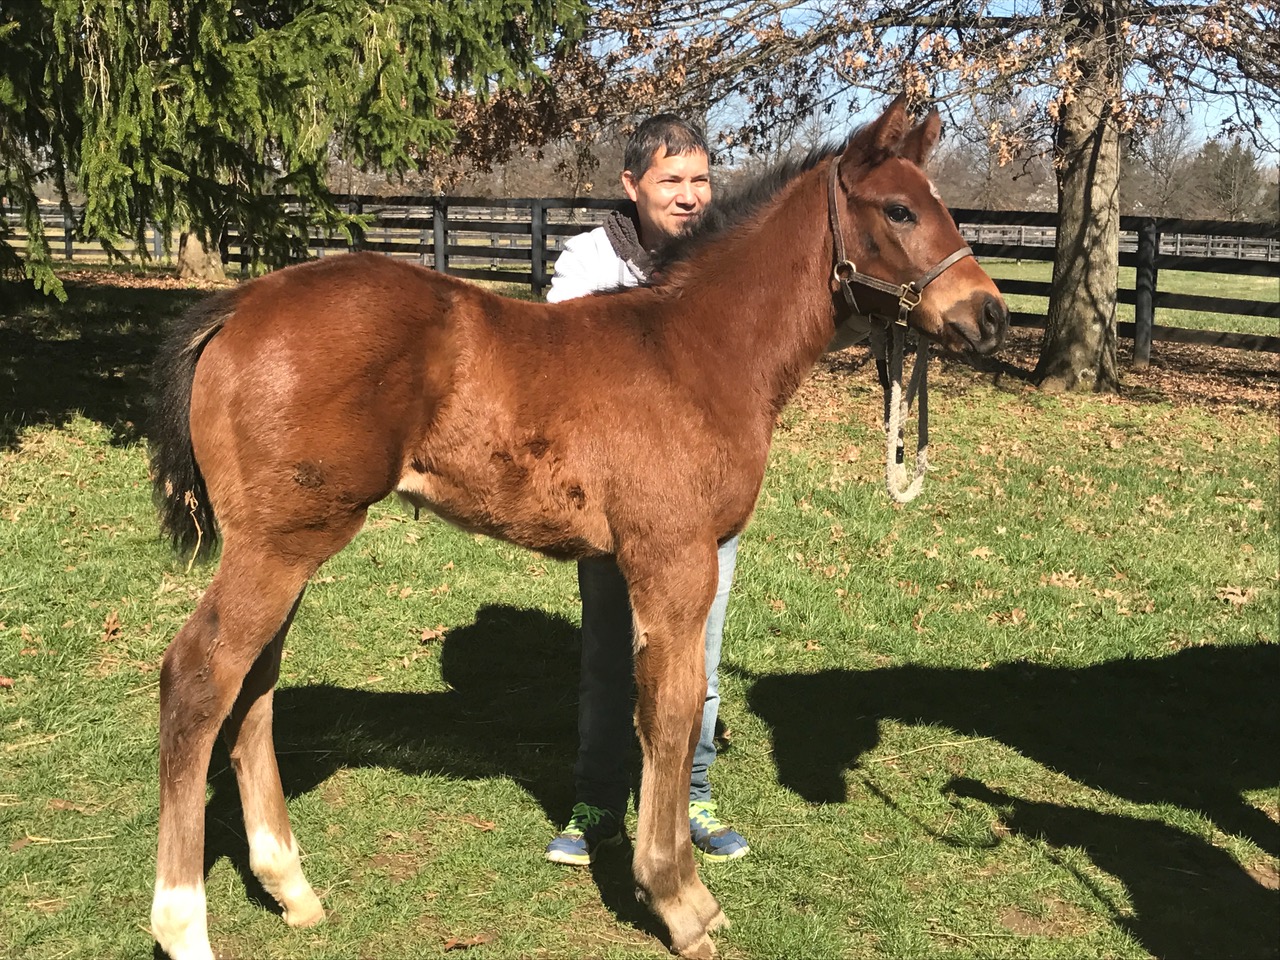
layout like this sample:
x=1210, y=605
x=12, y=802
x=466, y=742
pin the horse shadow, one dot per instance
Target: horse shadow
x=91, y=355
x=1194, y=729
x=511, y=712
x=1188, y=900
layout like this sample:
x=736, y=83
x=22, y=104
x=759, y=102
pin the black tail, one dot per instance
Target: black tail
x=186, y=516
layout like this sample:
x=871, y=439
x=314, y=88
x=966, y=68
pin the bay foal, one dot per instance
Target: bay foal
x=635, y=424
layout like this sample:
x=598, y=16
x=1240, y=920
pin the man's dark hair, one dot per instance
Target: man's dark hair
x=663, y=130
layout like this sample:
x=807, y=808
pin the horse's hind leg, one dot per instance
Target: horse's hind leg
x=244, y=609
x=670, y=623
x=273, y=852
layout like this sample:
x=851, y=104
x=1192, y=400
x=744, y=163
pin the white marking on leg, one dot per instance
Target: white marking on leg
x=279, y=869
x=179, y=924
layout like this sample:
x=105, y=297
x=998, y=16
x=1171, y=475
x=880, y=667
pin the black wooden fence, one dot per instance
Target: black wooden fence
x=1151, y=244
x=517, y=240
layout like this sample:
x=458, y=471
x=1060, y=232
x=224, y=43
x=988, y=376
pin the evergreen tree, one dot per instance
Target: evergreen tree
x=197, y=113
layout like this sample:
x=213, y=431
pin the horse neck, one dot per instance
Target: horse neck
x=756, y=305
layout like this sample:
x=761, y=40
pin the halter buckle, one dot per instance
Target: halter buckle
x=909, y=297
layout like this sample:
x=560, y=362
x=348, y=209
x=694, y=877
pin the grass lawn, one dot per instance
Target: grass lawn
x=1031, y=714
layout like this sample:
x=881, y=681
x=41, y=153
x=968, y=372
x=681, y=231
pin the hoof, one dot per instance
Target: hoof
x=718, y=922
x=305, y=914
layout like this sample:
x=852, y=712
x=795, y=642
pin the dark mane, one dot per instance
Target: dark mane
x=740, y=203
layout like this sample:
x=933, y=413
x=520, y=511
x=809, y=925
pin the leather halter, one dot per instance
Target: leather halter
x=846, y=271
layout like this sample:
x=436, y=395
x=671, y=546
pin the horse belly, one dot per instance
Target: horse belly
x=535, y=505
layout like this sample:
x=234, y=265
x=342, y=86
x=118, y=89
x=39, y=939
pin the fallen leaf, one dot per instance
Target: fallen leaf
x=1236, y=596
x=111, y=627
x=6, y=683
x=483, y=825
x=1011, y=619
x=982, y=553
x=432, y=633
x=1066, y=579
x=56, y=804
x=454, y=943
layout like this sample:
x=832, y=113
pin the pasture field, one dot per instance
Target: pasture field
x=1031, y=714
x=1266, y=289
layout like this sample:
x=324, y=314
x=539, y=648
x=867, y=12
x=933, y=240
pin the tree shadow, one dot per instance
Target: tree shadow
x=1194, y=729
x=511, y=712
x=1189, y=900
x=90, y=355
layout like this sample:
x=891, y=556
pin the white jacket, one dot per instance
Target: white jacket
x=589, y=264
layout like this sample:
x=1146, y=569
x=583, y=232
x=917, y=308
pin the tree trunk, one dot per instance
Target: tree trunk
x=1079, y=349
x=197, y=263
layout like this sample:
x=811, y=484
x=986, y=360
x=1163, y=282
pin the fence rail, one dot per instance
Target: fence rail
x=517, y=240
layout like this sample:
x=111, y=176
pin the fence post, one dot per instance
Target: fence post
x=157, y=248
x=538, y=247
x=440, y=222
x=357, y=231
x=68, y=241
x=1144, y=292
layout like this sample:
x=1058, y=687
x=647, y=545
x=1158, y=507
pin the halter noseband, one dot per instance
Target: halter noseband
x=846, y=271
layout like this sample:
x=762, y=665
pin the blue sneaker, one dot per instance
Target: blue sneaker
x=588, y=831
x=716, y=841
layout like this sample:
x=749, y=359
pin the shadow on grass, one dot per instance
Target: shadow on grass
x=90, y=355
x=512, y=713
x=1187, y=898
x=1194, y=729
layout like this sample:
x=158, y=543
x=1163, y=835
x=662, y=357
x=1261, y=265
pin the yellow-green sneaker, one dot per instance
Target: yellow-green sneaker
x=716, y=840
x=589, y=830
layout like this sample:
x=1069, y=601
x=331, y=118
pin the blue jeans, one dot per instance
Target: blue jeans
x=606, y=692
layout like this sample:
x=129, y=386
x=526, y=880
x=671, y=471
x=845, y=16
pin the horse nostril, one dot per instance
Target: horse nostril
x=995, y=313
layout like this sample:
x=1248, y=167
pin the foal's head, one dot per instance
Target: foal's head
x=896, y=229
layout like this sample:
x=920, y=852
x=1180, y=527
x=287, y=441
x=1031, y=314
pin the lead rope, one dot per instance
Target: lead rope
x=897, y=407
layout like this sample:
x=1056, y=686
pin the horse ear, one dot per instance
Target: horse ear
x=879, y=139
x=922, y=138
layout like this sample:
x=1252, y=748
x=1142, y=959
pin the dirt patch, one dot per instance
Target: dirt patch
x=1180, y=373
x=1060, y=919
x=1266, y=874
x=126, y=279
x=402, y=856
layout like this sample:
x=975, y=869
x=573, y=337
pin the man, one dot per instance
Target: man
x=668, y=178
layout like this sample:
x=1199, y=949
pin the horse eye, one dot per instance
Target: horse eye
x=899, y=214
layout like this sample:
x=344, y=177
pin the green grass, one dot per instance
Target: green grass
x=1266, y=289
x=1030, y=715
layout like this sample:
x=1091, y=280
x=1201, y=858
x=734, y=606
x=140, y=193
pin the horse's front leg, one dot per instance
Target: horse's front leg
x=670, y=598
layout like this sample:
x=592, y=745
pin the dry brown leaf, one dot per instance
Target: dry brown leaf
x=111, y=627
x=6, y=683
x=1236, y=596
x=1066, y=579
x=1013, y=618
x=456, y=943
x=432, y=633
x=483, y=825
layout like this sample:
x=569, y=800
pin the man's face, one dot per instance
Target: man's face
x=670, y=195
